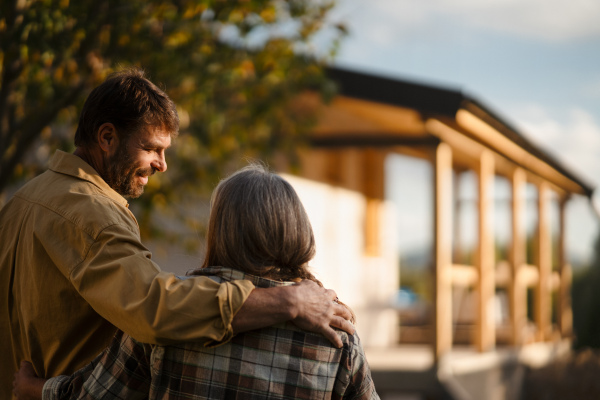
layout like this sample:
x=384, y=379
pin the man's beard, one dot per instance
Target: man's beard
x=121, y=174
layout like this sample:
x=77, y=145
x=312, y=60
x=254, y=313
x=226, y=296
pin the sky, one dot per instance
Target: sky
x=536, y=63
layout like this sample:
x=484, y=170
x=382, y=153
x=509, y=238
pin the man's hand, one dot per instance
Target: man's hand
x=317, y=311
x=306, y=304
x=26, y=385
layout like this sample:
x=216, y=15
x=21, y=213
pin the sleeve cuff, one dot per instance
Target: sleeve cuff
x=231, y=296
x=53, y=386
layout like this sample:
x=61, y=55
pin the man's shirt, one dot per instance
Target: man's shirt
x=280, y=362
x=72, y=268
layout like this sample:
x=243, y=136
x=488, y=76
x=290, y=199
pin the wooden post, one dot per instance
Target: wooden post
x=351, y=163
x=443, y=250
x=517, y=290
x=373, y=188
x=565, y=313
x=486, y=328
x=333, y=173
x=544, y=258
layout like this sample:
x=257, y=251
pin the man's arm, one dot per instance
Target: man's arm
x=121, y=371
x=306, y=304
x=26, y=384
x=123, y=285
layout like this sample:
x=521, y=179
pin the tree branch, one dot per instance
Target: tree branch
x=30, y=131
x=11, y=68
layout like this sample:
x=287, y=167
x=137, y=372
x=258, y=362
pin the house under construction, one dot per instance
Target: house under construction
x=342, y=186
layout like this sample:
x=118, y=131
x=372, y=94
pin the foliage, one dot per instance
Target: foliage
x=231, y=67
x=586, y=303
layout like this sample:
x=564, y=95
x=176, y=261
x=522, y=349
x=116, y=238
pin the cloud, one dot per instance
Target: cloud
x=549, y=20
x=574, y=141
x=552, y=20
x=383, y=22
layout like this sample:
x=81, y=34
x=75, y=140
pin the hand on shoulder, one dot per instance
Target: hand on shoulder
x=317, y=311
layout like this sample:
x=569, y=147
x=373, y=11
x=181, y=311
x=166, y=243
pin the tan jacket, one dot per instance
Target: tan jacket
x=72, y=268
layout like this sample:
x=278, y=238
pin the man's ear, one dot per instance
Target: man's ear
x=108, y=140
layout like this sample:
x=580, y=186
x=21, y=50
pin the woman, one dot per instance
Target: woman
x=258, y=230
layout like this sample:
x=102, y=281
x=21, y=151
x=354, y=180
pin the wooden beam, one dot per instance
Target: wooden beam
x=353, y=115
x=469, y=151
x=333, y=173
x=464, y=275
x=528, y=277
x=486, y=333
x=373, y=228
x=373, y=188
x=371, y=139
x=354, y=169
x=373, y=176
x=314, y=164
x=565, y=313
x=517, y=290
x=464, y=146
x=443, y=250
x=503, y=145
x=544, y=257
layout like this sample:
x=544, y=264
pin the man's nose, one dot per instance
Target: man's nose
x=160, y=163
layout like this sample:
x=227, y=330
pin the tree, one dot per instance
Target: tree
x=233, y=68
x=586, y=302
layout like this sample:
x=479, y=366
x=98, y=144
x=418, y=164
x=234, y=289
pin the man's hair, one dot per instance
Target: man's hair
x=130, y=102
x=258, y=225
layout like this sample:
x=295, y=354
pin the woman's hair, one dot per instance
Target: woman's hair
x=258, y=225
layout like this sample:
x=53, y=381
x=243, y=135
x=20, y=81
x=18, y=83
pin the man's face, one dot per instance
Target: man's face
x=138, y=157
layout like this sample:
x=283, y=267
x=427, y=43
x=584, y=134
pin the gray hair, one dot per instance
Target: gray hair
x=258, y=225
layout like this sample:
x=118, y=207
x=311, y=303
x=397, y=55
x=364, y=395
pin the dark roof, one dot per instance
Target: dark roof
x=425, y=98
x=436, y=101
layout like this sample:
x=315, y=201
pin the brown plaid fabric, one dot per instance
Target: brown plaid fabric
x=279, y=362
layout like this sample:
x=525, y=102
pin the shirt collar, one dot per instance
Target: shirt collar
x=230, y=274
x=70, y=164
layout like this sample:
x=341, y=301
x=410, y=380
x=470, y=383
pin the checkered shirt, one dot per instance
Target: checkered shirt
x=279, y=362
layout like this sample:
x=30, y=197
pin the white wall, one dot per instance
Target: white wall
x=366, y=284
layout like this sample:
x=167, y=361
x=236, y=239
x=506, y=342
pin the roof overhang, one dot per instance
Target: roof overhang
x=381, y=112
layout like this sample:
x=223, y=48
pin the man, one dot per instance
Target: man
x=72, y=267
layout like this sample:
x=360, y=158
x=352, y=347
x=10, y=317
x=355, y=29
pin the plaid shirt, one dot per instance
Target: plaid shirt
x=279, y=362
